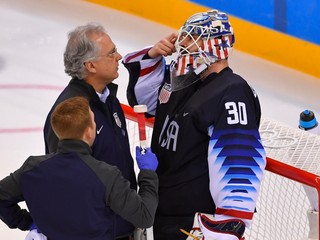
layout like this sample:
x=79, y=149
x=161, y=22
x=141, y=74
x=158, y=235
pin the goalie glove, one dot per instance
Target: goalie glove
x=232, y=229
x=195, y=232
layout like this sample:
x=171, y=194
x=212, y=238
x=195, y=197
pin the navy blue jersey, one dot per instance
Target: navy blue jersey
x=206, y=138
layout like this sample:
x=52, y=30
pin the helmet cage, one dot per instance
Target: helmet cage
x=210, y=38
x=210, y=32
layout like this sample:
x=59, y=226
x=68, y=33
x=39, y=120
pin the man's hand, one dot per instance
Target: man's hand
x=164, y=47
x=35, y=234
x=146, y=161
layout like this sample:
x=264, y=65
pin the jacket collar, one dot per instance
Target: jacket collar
x=74, y=146
x=113, y=88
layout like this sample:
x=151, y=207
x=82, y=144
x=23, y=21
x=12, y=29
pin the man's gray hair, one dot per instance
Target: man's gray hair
x=81, y=48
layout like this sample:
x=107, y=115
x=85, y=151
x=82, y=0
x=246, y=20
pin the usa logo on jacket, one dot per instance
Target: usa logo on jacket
x=117, y=119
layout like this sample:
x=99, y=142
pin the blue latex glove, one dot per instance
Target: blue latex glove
x=35, y=233
x=146, y=161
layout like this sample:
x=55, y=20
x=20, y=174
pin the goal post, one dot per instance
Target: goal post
x=293, y=163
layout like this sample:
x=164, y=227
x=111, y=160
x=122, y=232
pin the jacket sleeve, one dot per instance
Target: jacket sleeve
x=236, y=154
x=146, y=76
x=10, y=195
x=137, y=208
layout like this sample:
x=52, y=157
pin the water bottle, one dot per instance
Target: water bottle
x=308, y=122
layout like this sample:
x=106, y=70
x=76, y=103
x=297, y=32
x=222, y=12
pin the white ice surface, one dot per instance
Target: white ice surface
x=32, y=41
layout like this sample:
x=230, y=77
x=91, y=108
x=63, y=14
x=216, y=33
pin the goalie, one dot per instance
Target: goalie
x=206, y=138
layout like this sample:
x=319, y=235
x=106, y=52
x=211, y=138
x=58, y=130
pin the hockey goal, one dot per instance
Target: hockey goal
x=291, y=184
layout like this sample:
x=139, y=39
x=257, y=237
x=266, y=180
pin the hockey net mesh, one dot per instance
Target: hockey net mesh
x=283, y=203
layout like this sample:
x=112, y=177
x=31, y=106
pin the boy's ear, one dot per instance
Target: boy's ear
x=90, y=66
x=89, y=134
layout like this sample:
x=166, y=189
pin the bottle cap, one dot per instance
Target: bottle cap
x=307, y=120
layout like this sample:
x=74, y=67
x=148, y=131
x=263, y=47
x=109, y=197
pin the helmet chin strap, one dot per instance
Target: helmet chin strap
x=201, y=68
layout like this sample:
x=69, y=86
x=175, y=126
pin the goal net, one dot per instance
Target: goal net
x=291, y=184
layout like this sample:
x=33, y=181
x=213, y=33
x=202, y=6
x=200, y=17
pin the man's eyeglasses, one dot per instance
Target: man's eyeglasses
x=111, y=54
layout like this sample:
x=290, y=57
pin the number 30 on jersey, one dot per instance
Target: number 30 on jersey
x=237, y=113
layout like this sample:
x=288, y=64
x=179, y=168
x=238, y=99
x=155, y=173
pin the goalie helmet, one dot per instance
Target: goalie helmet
x=203, y=39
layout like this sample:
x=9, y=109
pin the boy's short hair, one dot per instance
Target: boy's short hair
x=70, y=118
